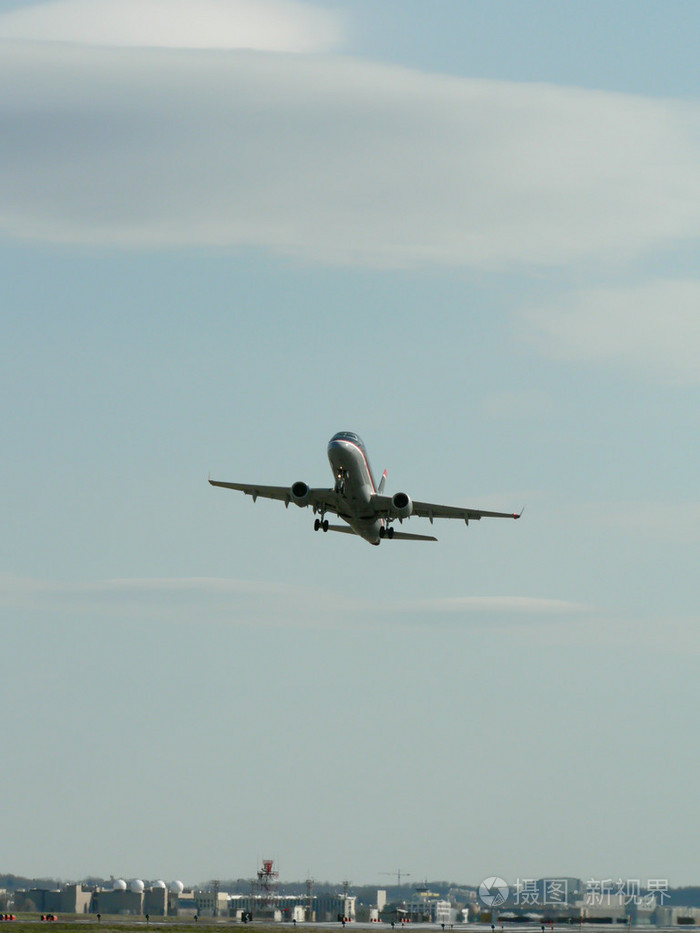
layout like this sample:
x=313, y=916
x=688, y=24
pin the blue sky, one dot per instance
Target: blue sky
x=467, y=231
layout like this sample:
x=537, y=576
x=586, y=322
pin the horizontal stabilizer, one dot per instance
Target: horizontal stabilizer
x=405, y=536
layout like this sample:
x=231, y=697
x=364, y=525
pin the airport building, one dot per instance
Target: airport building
x=427, y=907
x=299, y=907
x=211, y=903
x=70, y=899
x=677, y=916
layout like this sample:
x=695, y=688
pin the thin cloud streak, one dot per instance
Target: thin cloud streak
x=500, y=604
x=671, y=523
x=672, y=635
x=181, y=600
x=266, y=25
x=265, y=605
x=114, y=594
x=653, y=325
x=335, y=160
x=13, y=584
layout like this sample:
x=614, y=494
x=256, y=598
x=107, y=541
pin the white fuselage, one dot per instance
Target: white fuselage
x=354, y=485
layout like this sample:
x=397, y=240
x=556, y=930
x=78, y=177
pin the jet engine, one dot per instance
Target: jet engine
x=300, y=494
x=401, y=505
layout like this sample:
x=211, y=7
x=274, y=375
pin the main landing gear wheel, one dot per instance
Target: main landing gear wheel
x=386, y=532
x=321, y=525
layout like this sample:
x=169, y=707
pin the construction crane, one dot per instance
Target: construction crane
x=398, y=873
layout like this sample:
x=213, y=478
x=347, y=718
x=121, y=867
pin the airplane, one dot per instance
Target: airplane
x=357, y=500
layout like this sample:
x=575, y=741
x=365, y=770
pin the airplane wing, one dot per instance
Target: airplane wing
x=382, y=507
x=318, y=499
x=431, y=511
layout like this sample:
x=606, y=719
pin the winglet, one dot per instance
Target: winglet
x=518, y=514
x=382, y=481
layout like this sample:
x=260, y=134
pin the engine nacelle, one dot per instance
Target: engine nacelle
x=401, y=505
x=300, y=494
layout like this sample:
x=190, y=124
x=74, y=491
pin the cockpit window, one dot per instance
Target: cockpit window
x=349, y=436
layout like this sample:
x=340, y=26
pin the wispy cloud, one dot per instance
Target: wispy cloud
x=675, y=635
x=498, y=604
x=221, y=601
x=654, y=326
x=11, y=584
x=663, y=523
x=557, y=622
x=670, y=522
x=335, y=160
x=113, y=596
x=183, y=599
x=270, y=25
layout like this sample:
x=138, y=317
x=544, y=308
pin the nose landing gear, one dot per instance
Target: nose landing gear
x=340, y=478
